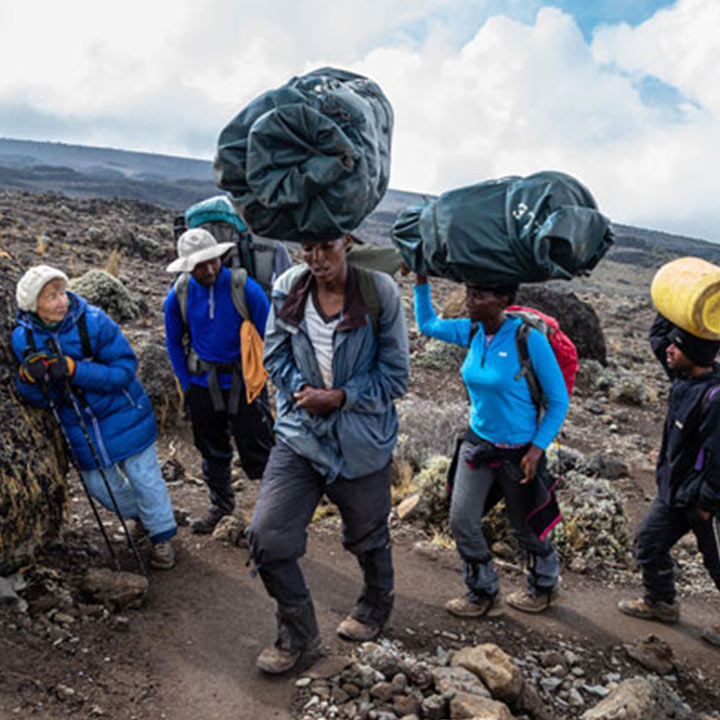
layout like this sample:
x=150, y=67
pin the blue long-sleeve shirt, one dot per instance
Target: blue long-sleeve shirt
x=214, y=325
x=501, y=407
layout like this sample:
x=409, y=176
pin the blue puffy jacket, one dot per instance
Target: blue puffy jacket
x=116, y=410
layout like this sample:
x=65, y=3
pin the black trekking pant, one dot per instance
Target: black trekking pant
x=661, y=528
x=251, y=429
x=289, y=493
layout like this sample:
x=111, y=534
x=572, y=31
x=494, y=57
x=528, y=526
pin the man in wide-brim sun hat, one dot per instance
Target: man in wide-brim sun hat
x=220, y=370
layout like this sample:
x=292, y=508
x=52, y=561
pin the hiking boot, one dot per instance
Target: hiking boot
x=464, y=608
x=662, y=611
x=531, y=602
x=712, y=635
x=206, y=524
x=162, y=556
x=353, y=629
x=275, y=660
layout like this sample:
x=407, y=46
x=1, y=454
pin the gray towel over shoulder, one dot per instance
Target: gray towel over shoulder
x=506, y=231
x=308, y=160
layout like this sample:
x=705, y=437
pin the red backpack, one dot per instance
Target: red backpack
x=563, y=347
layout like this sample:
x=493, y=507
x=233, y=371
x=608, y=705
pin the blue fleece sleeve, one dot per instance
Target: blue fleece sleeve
x=453, y=331
x=174, y=331
x=553, y=386
x=258, y=304
x=114, y=365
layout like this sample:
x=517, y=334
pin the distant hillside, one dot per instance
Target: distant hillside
x=175, y=182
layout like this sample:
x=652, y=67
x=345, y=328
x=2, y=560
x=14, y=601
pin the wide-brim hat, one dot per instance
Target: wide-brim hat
x=194, y=247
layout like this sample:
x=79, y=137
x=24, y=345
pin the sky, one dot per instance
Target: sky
x=624, y=95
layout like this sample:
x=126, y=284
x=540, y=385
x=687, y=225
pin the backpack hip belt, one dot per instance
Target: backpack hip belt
x=197, y=366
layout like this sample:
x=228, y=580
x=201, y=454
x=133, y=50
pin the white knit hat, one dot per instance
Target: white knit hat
x=196, y=246
x=31, y=284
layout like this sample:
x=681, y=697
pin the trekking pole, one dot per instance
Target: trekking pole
x=101, y=470
x=76, y=465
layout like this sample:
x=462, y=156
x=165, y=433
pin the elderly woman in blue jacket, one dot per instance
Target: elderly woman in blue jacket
x=56, y=331
x=336, y=347
x=503, y=448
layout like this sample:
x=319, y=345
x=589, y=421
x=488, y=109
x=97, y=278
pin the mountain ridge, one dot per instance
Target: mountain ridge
x=173, y=182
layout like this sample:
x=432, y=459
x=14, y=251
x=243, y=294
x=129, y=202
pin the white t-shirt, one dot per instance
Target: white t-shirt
x=321, y=333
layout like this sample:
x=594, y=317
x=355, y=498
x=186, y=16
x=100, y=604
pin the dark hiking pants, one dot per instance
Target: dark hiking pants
x=251, y=429
x=471, y=488
x=661, y=528
x=289, y=493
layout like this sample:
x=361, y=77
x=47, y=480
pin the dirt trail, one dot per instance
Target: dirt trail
x=208, y=619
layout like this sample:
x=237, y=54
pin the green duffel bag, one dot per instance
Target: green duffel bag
x=507, y=231
x=309, y=160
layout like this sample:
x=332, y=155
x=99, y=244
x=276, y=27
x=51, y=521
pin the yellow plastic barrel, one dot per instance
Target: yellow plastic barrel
x=687, y=292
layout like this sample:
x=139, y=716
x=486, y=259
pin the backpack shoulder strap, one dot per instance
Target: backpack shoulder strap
x=708, y=395
x=182, y=283
x=526, y=368
x=85, y=345
x=238, y=281
x=30, y=339
x=370, y=296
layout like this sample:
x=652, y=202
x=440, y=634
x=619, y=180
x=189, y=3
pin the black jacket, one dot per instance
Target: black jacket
x=688, y=467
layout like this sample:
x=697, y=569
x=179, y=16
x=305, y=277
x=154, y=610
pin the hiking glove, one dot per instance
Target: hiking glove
x=60, y=367
x=34, y=367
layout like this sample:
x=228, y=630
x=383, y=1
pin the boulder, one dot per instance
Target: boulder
x=467, y=705
x=578, y=320
x=640, y=699
x=494, y=667
x=117, y=589
x=652, y=653
x=458, y=680
x=34, y=500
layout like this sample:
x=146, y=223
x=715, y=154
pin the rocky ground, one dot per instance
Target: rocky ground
x=184, y=644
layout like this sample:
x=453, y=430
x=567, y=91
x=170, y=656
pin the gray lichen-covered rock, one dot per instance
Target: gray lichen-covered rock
x=440, y=355
x=431, y=486
x=157, y=377
x=428, y=428
x=594, y=521
x=629, y=389
x=107, y=292
x=640, y=699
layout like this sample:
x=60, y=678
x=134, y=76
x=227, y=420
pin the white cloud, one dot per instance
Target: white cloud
x=517, y=97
